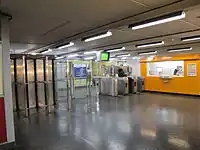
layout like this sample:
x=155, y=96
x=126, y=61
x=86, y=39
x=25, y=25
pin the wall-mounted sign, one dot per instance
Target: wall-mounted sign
x=80, y=71
x=191, y=70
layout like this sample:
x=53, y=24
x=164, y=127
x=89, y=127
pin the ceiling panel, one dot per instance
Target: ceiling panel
x=31, y=19
x=155, y=3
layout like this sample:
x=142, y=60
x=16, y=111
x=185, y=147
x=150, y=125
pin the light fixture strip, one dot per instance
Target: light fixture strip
x=116, y=50
x=72, y=55
x=159, y=20
x=192, y=38
x=67, y=45
x=180, y=49
x=89, y=58
x=126, y=55
x=107, y=34
x=46, y=51
x=150, y=44
x=91, y=52
x=60, y=57
x=148, y=53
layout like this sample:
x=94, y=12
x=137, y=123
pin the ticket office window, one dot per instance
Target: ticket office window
x=166, y=68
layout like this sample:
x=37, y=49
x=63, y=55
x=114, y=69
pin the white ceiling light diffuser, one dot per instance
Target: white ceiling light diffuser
x=33, y=53
x=180, y=49
x=72, y=55
x=61, y=57
x=191, y=38
x=116, y=50
x=149, y=44
x=147, y=53
x=46, y=51
x=158, y=20
x=98, y=36
x=67, y=45
x=125, y=55
x=89, y=58
x=89, y=53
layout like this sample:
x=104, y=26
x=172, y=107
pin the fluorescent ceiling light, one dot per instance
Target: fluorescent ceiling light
x=91, y=52
x=111, y=59
x=60, y=57
x=72, y=55
x=147, y=53
x=124, y=58
x=46, y=51
x=67, y=45
x=158, y=20
x=191, y=38
x=116, y=50
x=180, y=49
x=126, y=55
x=99, y=36
x=89, y=58
x=150, y=44
x=34, y=53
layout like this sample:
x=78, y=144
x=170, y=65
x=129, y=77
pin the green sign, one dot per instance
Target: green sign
x=105, y=56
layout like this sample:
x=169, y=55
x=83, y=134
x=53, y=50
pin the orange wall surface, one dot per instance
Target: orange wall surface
x=181, y=85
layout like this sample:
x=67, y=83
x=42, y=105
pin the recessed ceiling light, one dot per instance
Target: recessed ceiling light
x=67, y=45
x=97, y=36
x=33, y=53
x=147, y=53
x=158, y=20
x=61, y=57
x=149, y=44
x=89, y=58
x=46, y=51
x=191, y=38
x=116, y=49
x=180, y=49
x=124, y=55
x=72, y=55
x=90, y=52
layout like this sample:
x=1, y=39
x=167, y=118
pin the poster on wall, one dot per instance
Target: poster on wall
x=80, y=70
x=191, y=70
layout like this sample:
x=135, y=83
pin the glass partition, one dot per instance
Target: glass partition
x=166, y=68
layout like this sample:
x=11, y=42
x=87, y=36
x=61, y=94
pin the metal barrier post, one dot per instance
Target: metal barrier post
x=69, y=93
x=24, y=86
x=47, y=83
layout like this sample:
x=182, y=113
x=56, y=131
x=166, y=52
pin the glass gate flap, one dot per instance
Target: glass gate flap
x=31, y=83
x=40, y=82
x=20, y=83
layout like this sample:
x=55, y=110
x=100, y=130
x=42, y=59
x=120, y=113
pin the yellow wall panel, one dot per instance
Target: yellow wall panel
x=181, y=85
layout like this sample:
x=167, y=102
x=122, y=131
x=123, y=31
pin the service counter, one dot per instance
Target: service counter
x=161, y=78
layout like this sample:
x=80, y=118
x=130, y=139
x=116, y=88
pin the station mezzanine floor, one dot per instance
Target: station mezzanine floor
x=147, y=121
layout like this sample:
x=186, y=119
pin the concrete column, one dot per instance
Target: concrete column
x=7, y=80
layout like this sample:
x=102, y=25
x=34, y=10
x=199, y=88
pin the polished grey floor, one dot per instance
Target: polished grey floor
x=138, y=122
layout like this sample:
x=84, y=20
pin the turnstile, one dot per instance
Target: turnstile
x=33, y=83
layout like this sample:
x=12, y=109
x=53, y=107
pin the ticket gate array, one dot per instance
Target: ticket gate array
x=33, y=83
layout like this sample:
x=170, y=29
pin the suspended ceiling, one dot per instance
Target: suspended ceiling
x=41, y=24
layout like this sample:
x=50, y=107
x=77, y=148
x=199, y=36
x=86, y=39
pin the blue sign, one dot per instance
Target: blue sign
x=80, y=71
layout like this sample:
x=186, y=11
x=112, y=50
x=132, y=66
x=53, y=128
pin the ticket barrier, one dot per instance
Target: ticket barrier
x=109, y=86
x=140, y=84
x=132, y=84
x=33, y=83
